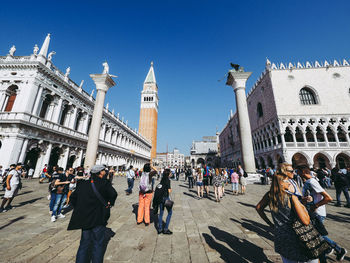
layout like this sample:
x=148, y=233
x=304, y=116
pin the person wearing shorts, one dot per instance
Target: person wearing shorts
x=205, y=180
x=12, y=186
x=199, y=183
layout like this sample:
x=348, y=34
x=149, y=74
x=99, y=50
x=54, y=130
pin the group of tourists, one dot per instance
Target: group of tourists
x=298, y=215
x=206, y=176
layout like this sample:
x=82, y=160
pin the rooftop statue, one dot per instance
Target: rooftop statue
x=12, y=50
x=35, y=50
x=49, y=57
x=67, y=72
x=105, y=68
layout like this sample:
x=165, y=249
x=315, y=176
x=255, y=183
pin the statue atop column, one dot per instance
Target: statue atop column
x=12, y=50
x=35, y=50
x=236, y=67
x=105, y=68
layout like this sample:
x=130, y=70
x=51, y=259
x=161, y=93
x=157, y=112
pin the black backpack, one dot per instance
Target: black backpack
x=245, y=174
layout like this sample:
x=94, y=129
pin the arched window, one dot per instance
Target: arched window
x=45, y=106
x=330, y=135
x=11, y=94
x=288, y=137
x=64, y=114
x=307, y=96
x=259, y=110
x=78, y=123
x=299, y=135
x=319, y=134
x=309, y=135
x=341, y=134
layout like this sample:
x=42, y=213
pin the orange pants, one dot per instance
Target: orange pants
x=144, y=207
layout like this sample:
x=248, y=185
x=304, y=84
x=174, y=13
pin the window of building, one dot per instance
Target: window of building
x=11, y=94
x=45, y=106
x=259, y=110
x=288, y=137
x=307, y=96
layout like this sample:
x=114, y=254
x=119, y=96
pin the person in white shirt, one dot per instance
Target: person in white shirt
x=130, y=176
x=312, y=191
x=13, y=181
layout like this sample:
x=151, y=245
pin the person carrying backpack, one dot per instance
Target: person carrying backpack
x=13, y=184
x=145, y=194
x=341, y=183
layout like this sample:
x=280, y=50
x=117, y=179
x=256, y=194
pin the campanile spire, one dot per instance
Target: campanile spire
x=149, y=110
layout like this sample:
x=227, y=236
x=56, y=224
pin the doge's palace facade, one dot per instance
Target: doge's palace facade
x=45, y=118
x=299, y=113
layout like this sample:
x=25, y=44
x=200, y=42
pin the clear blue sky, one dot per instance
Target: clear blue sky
x=190, y=42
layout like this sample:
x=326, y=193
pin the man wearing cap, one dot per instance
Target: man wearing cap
x=13, y=184
x=91, y=213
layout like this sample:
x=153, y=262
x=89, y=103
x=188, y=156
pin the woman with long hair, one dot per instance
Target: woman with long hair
x=285, y=208
x=217, y=182
x=165, y=182
x=199, y=183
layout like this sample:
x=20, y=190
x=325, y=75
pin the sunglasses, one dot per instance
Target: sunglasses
x=290, y=171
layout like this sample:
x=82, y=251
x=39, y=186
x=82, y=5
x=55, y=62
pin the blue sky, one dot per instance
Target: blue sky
x=190, y=42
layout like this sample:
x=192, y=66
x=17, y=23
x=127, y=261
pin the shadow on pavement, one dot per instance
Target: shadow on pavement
x=28, y=202
x=236, y=249
x=191, y=195
x=12, y=221
x=260, y=229
x=339, y=218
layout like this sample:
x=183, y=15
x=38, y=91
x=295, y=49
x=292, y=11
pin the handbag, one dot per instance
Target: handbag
x=168, y=204
x=310, y=239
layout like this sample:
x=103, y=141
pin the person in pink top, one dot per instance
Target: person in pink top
x=234, y=181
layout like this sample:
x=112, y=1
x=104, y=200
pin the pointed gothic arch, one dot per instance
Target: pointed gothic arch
x=288, y=137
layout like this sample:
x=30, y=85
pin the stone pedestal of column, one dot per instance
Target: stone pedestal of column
x=103, y=82
x=238, y=79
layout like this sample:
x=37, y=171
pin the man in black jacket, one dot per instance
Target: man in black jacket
x=90, y=215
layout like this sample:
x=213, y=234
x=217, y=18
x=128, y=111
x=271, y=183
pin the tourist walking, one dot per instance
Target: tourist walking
x=234, y=182
x=190, y=178
x=285, y=209
x=242, y=179
x=145, y=194
x=62, y=186
x=72, y=185
x=166, y=190
x=44, y=174
x=341, y=183
x=130, y=177
x=13, y=185
x=53, y=188
x=92, y=201
x=217, y=182
x=318, y=207
x=199, y=182
x=205, y=179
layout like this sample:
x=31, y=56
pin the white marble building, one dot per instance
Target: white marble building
x=299, y=113
x=45, y=118
x=205, y=152
x=170, y=159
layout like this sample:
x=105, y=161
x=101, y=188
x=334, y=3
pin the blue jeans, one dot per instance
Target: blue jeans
x=95, y=237
x=345, y=190
x=52, y=200
x=60, y=200
x=235, y=187
x=160, y=218
x=130, y=185
x=328, y=240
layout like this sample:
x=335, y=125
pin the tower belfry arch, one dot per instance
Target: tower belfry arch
x=149, y=110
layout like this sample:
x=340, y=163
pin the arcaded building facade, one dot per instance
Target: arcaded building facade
x=299, y=113
x=45, y=118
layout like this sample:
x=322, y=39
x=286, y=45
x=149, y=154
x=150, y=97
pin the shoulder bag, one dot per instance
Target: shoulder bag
x=309, y=238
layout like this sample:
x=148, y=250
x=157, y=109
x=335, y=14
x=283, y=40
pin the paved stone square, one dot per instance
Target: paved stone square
x=204, y=231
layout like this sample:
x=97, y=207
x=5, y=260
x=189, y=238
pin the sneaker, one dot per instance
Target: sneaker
x=2, y=210
x=329, y=251
x=338, y=204
x=146, y=224
x=167, y=232
x=342, y=254
x=53, y=218
x=61, y=216
x=9, y=207
x=159, y=231
x=348, y=205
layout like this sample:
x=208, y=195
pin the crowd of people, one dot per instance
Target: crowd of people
x=295, y=193
x=297, y=197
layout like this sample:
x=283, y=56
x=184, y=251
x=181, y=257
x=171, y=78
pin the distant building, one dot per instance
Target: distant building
x=298, y=114
x=205, y=152
x=171, y=159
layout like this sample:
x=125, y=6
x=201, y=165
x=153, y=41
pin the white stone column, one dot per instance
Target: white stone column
x=304, y=138
x=238, y=81
x=23, y=151
x=46, y=158
x=85, y=124
x=37, y=101
x=73, y=118
x=38, y=165
x=2, y=99
x=103, y=82
x=58, y=110
x=64, y=160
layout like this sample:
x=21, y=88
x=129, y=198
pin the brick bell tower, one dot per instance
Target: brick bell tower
x=149, y=110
